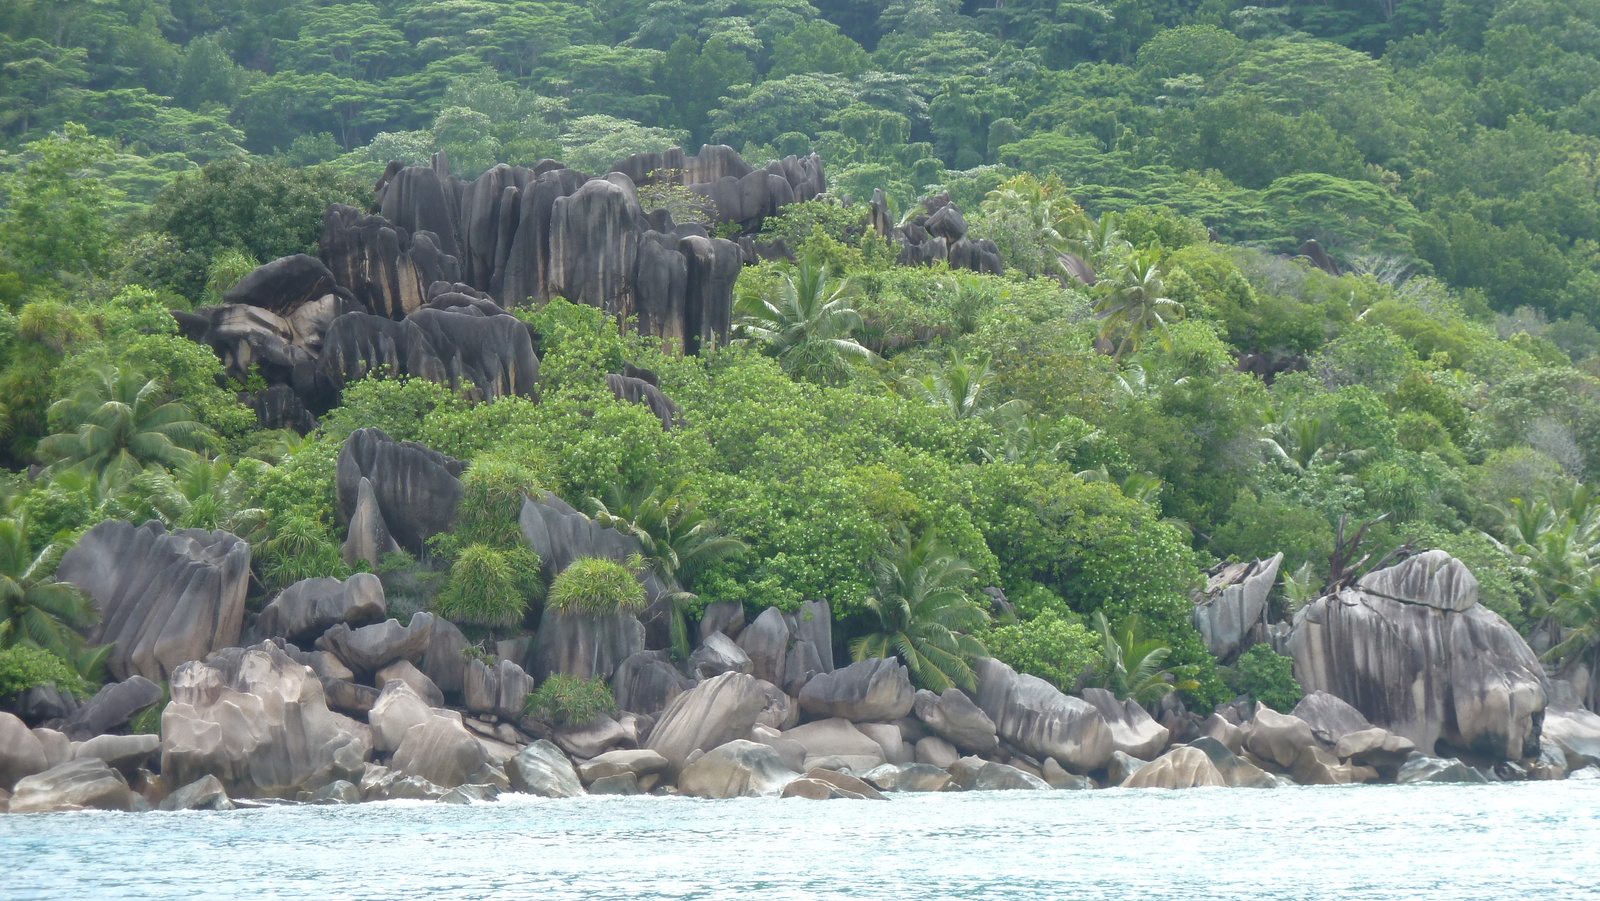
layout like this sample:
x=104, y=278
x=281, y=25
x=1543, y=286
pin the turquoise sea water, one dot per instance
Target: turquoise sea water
x=1531, y=840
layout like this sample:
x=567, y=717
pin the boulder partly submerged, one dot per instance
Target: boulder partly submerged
x=1411, y=648
x=737, y=769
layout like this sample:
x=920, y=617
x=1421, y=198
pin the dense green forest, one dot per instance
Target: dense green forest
x=1087, y=449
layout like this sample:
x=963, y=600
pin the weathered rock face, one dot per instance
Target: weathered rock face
x=1182, y=767
x=766, y=642
x=441, y=750
x=371, y=648
x=257, y=721
x=1576, y=733
x=714, y=712
x=21, y=754
x=541, y=769
x=1133, y=731
x=875, y=690
x=112, y=707
x=939, y=232
x=954, y=717
x=835, y=744
x=165, y=598
x=1234, y=770
x=586, y=645
x=397, y=709
x=716, y=655
x=533, y=234
x=86, y=784
x=385, y=269
x=1235, y=596
x=736, y=769
x=501, y=689
x=205, y=793
x=559, y=535
x=1034, y=717
x=415, y=488
x=443, y=661
x=1414, y=652
x=477, y=349
x=647, y=682
x=305, y=610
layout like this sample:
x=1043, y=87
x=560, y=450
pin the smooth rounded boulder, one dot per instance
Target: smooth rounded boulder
x=1133, y=730
x=441, y=750
x=737, y=769
x=306, y=609
x=1182, y=767
x=1036, y=718
x=875, y=690
x=21, y=754
x=954, y=717
x=836, y=744
x=86, y=784
x=542, y=769
x=716, y=711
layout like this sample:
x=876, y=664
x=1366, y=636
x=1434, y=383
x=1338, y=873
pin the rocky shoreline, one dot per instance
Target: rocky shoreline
x=1412, y=681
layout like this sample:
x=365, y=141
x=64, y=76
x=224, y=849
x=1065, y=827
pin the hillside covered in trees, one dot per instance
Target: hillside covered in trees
x=1153, y=386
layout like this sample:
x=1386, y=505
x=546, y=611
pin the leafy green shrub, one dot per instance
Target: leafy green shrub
x=596, y=586
x=490, y=587
x=565, y=700
x=1268, y=677
x=23, y=667
x=1056, y=649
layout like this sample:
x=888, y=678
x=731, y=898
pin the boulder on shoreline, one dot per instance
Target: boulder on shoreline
x=257, y=721
x=86, y=784
x=718, y=710
x=1411, y=648
x=737, y=769
x=874, y=690
x=1035, y=717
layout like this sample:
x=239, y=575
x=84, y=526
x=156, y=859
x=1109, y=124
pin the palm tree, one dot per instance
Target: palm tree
x=1296, y=442
x=1058, y=229
x=35, y=610
x=1579, y=612
x=118, y=420
x=1556, y=549
x=678, y=540
x=957, y=388
x=1133, y=304
x=202, y=494
x=924, y=614
x=1130, y=665
x=807, y=323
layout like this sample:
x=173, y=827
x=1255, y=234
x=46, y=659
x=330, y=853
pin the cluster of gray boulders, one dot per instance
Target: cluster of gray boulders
x=935, y=233
x=411, y=289
x=323, y=697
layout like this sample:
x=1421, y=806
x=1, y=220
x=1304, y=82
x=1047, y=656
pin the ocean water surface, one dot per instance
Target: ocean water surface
x=1529, y=840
